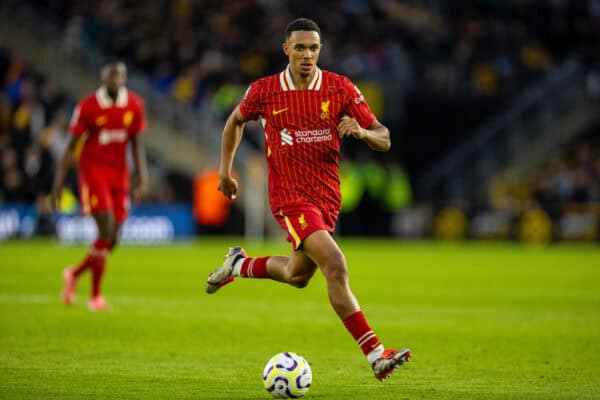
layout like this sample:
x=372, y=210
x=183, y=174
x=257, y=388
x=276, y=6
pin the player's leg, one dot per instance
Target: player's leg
x=114, y=240
x=109, y=225
x=120, y=208
x=106, y=224
x=297, y=269
x=71, y=274
x=324, y=251
x=94, y=197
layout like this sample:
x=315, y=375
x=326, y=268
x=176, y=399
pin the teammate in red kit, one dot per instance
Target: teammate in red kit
x=103, y=124
x=306, y=112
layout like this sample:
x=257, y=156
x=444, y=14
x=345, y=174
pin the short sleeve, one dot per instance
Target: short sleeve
x=138, y=125
x=250, y=106
x=79, y=124
x=355, y=104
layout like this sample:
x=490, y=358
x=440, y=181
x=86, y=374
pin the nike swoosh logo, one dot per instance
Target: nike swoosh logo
x=275, y=112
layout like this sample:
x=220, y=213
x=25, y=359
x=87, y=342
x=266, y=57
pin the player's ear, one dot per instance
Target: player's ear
x=285, y=48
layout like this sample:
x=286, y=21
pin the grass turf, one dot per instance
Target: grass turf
x=484, y=321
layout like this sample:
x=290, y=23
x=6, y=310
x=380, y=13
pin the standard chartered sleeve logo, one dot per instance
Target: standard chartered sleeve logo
x=286, y=137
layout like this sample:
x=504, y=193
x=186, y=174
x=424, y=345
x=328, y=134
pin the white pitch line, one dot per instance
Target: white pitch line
x=30, y=298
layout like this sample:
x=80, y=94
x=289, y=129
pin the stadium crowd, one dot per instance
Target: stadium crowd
x=33, y=129
x=568, y=181
x=444, y=47
x=421, y=55
x=410, y=58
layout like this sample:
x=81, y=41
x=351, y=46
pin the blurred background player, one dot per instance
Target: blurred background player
x=304, y=111
x=102, y=124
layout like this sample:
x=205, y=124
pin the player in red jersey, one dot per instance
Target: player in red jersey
x=306, y=112
x=103, y=124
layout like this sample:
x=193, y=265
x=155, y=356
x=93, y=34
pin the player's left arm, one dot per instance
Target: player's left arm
x=360, y=122
x=376, y=135
x=140, y=172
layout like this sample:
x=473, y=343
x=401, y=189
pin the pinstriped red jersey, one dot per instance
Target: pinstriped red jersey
x=302, y=143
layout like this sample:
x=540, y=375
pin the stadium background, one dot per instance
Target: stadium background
x=493, y=107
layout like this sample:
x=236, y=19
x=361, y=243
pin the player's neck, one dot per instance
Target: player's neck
x=302, y=82
x=113, y=95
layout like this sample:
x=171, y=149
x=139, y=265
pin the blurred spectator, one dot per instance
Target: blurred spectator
x=184, y=88
x=55, y=136
x=562, y=177
x=163, y=77
x=545, y=197
x=569, y=182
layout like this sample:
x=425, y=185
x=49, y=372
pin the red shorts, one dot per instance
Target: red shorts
x=301, y=220
x=104, y=189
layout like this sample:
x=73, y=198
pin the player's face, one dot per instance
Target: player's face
x=114, y=78
x=302, y=49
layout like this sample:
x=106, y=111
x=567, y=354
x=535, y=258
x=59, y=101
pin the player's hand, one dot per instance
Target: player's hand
x=140, y=190
x=228, y=186
x=55, y=196
x=350, y=127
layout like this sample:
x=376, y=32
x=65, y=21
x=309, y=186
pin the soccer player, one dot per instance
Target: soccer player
x=102, y=125
x=305, y=112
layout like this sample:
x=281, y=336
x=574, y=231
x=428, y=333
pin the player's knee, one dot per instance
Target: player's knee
x=299, y=281
x=335, y=269
x=105, y=229
x=338, y=275
x=114, y=236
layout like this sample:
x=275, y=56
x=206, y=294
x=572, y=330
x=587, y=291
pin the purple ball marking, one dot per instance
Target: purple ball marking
x=268, y=372
x=298, y=384
x=271, y=388
x=293, y=367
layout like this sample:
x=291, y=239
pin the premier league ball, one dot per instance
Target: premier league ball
x=287, y=376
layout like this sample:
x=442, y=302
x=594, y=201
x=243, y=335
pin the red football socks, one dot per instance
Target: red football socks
x=98, y=247
x=255, y=267
x=100, y=250
x=95, y=260
x=84, y=264
x=360, y=330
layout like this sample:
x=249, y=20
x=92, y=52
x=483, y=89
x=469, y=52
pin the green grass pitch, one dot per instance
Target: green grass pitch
x=484, y=321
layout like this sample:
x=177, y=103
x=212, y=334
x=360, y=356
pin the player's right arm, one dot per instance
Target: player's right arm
x=78, y=126
x=232, y=136
x=64, y=164
x=250, y=108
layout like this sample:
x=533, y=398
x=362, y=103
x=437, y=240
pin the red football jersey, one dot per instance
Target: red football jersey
x=302, y=143
x=108, y=126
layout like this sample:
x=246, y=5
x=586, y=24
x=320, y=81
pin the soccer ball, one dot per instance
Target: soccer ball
x=287, y=376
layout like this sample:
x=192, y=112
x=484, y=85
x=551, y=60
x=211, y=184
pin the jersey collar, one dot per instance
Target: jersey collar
x=105, y=101
x=285, y=79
